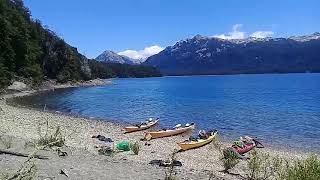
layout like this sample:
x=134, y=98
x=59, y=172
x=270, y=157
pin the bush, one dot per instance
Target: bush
x=262, y=166
x=308, y=169
x=229, y=161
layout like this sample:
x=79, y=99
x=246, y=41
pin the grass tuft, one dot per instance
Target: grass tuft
x=51, y=140
x=135, y=147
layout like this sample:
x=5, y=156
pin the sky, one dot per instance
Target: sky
x=140, y=28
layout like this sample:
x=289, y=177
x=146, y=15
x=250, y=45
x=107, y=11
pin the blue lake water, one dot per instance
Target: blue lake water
x=282, y=109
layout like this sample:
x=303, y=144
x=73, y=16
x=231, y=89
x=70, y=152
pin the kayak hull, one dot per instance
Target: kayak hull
x=167, y=133
x=245, y=149
x=136, y=128
x=196, y=144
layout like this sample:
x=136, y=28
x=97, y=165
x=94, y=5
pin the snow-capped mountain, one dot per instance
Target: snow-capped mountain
x=112, y=57
x=211, y=55
x=313, y=36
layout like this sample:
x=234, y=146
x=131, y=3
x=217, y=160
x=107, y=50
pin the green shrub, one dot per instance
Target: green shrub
x=229, y=163
x=308, y=169
x=261, y=166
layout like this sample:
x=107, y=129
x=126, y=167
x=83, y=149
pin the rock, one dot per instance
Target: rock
x=85, y=67
x=97, y=82
x=61, y=153
x=18, y=86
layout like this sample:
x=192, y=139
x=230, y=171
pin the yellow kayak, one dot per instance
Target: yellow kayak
x=149, y=124
x=185, y=145
x=166, y=133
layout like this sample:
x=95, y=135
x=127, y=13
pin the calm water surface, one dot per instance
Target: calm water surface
x=282, y=109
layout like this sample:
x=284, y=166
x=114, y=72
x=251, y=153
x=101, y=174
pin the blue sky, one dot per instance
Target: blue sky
x=97, y=25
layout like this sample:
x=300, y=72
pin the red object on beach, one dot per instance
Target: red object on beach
x=245, y=149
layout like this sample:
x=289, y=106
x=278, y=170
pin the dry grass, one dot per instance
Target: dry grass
x=6, y=141
x=26, y=172
x=170, y=173
x=28, y=169
x=56, y=137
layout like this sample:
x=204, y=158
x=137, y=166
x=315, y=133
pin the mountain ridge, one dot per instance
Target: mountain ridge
x=212, y=55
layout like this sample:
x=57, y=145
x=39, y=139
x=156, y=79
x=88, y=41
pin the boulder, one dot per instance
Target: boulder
x=18, y=86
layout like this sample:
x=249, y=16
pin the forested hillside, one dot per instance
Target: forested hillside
x=27, y=49
x=31, y=51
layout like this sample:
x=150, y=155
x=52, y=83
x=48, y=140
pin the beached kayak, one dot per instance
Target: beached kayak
x=245, y=149
x=141, y=127
x=170, y=132
x=185, y=145
x=246, y=144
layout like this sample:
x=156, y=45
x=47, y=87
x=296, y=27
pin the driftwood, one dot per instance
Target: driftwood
x=64, y=172
x=21, y=154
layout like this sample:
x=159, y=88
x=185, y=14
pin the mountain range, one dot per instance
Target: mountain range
x=209, y=55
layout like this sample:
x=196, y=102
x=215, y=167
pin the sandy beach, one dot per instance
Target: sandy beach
x=84, y=162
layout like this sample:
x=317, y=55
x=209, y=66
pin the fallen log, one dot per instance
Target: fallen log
x=2, y=151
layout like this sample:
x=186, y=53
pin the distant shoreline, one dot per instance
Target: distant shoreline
x=188, y=75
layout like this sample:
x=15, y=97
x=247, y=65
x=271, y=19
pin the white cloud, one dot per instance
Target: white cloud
x=235, y=34
x=142, y=54
x=262, y=34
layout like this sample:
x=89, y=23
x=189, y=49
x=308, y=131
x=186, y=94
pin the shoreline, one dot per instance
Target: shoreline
x=13, y=101
x=22, y=123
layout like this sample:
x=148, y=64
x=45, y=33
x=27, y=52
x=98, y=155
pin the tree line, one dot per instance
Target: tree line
x=110, y=70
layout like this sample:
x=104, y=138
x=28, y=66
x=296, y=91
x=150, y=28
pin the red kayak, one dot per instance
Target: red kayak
x=244, y=149
x=248, y=147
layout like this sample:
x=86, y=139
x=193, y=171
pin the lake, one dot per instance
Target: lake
x=281, y=109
